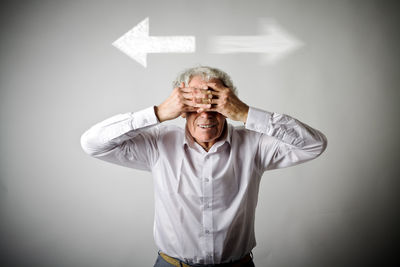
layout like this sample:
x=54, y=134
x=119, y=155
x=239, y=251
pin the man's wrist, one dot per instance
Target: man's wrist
x=245, y=114
x=158, y=115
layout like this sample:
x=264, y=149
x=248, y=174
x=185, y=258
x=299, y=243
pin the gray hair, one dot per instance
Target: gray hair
x=207, y=73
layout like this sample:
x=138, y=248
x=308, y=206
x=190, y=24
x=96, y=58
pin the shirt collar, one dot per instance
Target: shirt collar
x=189, y=140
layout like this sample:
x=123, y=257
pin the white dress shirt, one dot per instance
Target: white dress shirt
x=204, y=201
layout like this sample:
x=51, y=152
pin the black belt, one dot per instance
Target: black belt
x=179, y=263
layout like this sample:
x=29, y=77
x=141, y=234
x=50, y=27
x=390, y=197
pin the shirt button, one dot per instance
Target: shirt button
x=207, y=205
x=207, y=232
x=206, y=180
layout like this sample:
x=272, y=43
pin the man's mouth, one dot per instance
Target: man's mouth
x=206, y=126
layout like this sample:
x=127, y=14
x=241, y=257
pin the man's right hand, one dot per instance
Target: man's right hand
x=182, y=99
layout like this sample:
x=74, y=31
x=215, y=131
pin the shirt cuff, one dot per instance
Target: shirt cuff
x=144, y=118
x=258, y=120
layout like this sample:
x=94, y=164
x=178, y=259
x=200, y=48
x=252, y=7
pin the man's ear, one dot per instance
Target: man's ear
x=183, y=115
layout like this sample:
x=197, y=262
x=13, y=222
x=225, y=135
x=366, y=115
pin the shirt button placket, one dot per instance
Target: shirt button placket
x=207, y=211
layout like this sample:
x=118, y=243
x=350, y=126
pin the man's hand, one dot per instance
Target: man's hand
x=183, y=99
x=227, y=103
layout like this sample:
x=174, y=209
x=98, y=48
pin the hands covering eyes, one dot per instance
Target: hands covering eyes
x=210, y=96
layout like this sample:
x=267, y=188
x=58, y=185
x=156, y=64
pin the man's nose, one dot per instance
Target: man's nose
x=206, y=114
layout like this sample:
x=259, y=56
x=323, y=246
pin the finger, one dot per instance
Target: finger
x=215, y=86
x=194, y=90
x=207, y=94
x=197, y=100
x=214, y=101
x=214, y=109
x=187, y=96
x=212, y=94
x=197, y=105
x=188, y=89
x=189, y=109
x=204, y=106
x=208, y=101
x=201, y=100
x=197, y=95
x=194, y=109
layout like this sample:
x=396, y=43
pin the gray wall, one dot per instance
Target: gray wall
x=59, y=75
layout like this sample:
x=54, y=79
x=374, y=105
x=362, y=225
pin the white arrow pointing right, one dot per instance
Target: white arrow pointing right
x=274, y=43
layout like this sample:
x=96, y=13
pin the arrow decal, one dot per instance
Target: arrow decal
x=274, y=43
x=137, y=43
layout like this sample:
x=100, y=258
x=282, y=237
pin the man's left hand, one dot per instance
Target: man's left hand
x=226, y=102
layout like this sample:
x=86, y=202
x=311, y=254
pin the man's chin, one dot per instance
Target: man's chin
x=205, y=139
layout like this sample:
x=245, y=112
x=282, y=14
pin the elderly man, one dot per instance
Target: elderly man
x=206, y=176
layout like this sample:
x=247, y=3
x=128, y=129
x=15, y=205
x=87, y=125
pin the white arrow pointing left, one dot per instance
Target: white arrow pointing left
x=137, y=43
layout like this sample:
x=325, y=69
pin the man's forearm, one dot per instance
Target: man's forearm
x=161, y=116
x=106, y=135
x=287, y=129
x=243, y=114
